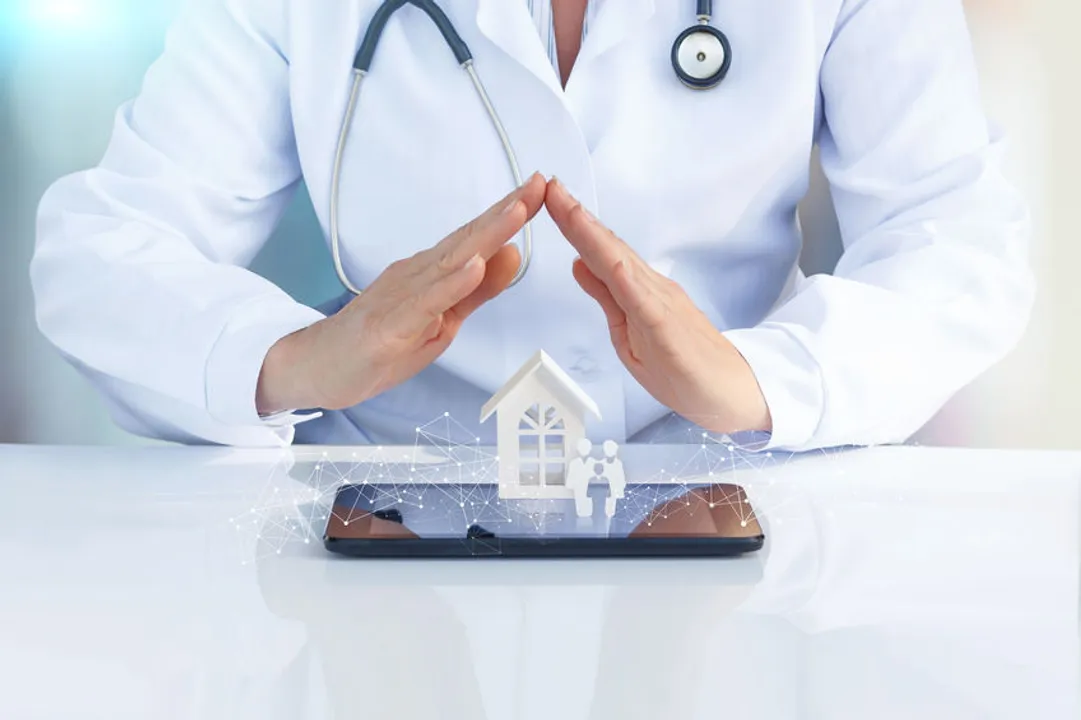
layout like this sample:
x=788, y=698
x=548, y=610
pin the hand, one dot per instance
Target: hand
x=668, y=345
x=404, y=320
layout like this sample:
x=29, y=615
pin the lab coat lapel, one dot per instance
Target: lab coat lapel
x=508, y=25
x=615, y=21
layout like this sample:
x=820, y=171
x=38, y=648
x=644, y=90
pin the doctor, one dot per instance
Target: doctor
x=662, y=264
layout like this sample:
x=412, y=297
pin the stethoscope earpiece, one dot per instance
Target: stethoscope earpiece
x=701, y=56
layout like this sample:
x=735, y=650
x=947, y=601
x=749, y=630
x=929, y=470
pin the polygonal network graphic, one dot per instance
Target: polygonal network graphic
x=679, y=469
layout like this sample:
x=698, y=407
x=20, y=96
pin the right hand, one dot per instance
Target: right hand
x=404, y=320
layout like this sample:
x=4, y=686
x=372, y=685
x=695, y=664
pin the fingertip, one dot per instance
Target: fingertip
x=586, y=278
x=533, y=192
x=556, y=190
x=559, y=202
x=568, y=211
x=580, y=274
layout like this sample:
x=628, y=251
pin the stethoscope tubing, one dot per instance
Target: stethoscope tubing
x=362, y=66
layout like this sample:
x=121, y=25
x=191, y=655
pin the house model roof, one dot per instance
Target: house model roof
x=543, y=364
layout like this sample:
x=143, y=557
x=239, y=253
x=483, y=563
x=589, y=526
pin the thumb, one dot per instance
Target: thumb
x=499, y=272
x=599, y=292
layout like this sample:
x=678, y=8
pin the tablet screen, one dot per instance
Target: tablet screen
x=450, y=511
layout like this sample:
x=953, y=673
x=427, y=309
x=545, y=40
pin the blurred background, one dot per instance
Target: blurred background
x=66, y=65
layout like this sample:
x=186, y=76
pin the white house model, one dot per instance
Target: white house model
x=541, y=416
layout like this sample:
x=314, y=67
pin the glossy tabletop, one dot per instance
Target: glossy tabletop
x=192, y=583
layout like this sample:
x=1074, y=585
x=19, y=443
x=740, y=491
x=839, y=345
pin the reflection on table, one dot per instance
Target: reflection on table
x=888, y=589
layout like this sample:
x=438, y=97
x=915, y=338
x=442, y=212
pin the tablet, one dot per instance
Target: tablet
x=471, y=520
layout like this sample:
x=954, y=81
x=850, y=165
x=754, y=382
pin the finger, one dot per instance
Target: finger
x=642, y=303
x=599, y=292
x=414, y=317
x=617, y=319
x=486, y=234
x=598, y=246
x=501, y=269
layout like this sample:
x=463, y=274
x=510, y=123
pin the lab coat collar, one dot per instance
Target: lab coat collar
x=615, y=21
x=509, y=26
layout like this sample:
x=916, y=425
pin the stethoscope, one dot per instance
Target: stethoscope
x=701, y=57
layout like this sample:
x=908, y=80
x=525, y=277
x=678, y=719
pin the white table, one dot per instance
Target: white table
x=896, y=583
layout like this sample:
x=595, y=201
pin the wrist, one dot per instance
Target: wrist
x=742, y=405
x=284, y=378
x=751, y=412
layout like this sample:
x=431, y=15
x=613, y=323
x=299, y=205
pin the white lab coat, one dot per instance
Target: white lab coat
x=140, y=272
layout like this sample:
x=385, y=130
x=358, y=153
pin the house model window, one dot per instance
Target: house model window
x=541, y=415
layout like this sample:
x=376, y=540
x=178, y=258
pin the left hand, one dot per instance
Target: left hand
x=668, y=344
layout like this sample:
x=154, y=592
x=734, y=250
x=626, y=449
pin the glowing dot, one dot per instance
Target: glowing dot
x=713, y=505
x=347, y=523
x=461, y=504
x=306, y=542
x=420, y=506
x=743, y=523
x=446, y=414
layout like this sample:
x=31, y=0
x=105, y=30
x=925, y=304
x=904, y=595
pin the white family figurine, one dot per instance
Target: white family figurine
x=541, y=442
x=584, y=471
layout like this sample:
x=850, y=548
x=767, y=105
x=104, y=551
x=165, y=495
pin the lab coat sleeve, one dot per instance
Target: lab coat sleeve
x=139, y=270
x=934, y=285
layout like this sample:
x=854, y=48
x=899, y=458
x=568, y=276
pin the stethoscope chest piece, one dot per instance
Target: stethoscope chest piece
x=701, y=56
